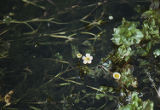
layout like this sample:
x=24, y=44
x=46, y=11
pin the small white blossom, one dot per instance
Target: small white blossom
x=110, y=17
x=116, y=75
x=79, y=55
x=87, y=59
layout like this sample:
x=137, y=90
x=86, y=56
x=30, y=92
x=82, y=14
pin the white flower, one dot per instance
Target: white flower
x=116, y=75
x=79, y=55
x=110, y=17
x=87, y=59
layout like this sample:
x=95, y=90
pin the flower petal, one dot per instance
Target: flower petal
x=83, y=57
x=89, y=61
x=91, y=57
x=87, y=55
x=79, y=55
x=84, y=61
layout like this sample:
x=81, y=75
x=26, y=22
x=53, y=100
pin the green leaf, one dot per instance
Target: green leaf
x=124, y=52
x=137, y=104
x=127, y=34
x=99, y=96
x=127, y=107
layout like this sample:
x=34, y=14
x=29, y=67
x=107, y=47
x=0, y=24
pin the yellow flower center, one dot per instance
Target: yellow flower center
x=116, y=76
x=87, y=59
x=79, y=55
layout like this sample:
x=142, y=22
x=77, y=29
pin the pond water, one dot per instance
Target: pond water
x=39, y=41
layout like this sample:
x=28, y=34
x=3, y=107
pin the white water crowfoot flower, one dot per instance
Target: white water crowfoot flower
x=79, y=55
x=116, y=75
x=87, y=59
x=110, y=17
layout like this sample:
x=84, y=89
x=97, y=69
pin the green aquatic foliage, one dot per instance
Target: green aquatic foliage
x=4, y=48
x=58, y=56
x=105, y=92
x=74, y=51
x=127, y=34
x=136, y=103
x=127, y=78
x=65, y=80
x=99, y=96
x=152, y=14
x=7, y=20
x=156, y=53
x=124, y=52
x=150, y=29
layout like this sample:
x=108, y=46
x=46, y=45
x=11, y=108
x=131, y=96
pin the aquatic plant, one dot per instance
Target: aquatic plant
x=49, y=56
x=135, y=103
x=127, y=34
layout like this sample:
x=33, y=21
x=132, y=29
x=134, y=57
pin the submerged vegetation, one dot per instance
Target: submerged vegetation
x=80, y=55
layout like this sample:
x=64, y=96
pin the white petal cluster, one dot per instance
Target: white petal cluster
x=110, y=17
x=79, y=55
x=87, y=59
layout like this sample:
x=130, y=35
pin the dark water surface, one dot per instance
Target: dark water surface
x=33, y=52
